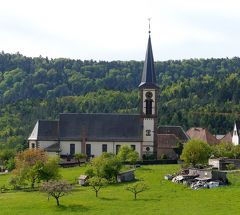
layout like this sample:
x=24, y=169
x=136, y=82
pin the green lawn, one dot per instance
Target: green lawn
x=164, y=197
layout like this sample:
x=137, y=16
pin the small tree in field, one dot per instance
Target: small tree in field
x=97, y=183
x=105, y=166
x=137, y=188
x=56, y=189
x=196, y=152
x=28, y=164
x=35, y=166
x=79, y=156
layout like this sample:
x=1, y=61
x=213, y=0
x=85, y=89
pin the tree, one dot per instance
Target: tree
x=7, y=158
x=225, y=150
x=195, y=152
x=50, y=170
x=28, y=165
x=127, y=154
x=79, y=156
x=32, y=173
x=137, y=188
x=29, y=157
x=97, y=183
x=106, y=166
x=56, y=189
x=236, y=151
x=34, y=165
x=133, y=157
x=123, y=153
x=178, y=149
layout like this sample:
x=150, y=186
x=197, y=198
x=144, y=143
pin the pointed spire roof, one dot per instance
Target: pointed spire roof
x=148, y=75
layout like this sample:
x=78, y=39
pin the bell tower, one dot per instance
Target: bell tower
x=148, y=90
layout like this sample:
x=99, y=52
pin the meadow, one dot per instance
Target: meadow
x=163, y=197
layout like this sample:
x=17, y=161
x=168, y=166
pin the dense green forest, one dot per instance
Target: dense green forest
x=195, y=92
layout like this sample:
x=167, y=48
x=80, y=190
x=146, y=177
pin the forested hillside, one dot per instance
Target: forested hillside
x=196, y=92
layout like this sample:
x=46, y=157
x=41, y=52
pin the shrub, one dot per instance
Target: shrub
x=196, y=152
x=79, y=156
x=16, y=182
x=105, y=166
x=127, y=154
x=224, y=150
x=230, y=166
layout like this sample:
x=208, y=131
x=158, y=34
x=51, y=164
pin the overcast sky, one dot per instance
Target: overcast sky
x=118, y=29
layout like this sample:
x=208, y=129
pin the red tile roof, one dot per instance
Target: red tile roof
x=202, y=134
x=227, y=138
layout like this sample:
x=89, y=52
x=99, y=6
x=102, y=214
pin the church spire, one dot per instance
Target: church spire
x=148, y=75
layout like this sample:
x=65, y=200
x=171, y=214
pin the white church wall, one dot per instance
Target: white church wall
x=148, y=130
x=96, y=147
x=40, y=144
x=52, y=154
x=65, y=147
x=32, y=144
x=44, y=144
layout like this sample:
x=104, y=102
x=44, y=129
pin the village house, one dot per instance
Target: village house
x=169, y=139
x=202, y=134
x=227, y=138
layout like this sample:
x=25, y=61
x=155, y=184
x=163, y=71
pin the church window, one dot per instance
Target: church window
x=148, y=149
x=33, y=145
x=72, y=149
x=104, y=147
x=148, y=132
x=117, y=148
x=148, y=106
x=88, y=150
x=133, y=147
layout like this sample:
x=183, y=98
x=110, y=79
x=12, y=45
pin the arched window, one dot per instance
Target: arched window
x=149, y=106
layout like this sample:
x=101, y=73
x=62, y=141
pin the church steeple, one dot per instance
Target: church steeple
x=148, y=75
x=148, y=91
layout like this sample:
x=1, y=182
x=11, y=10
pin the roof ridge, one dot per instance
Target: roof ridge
x=119, y=114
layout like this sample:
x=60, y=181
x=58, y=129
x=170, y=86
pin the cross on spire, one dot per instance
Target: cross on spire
x=149, y=25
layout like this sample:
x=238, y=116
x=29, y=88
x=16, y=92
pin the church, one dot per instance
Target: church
x=94, y=133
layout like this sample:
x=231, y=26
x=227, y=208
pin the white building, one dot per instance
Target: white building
x=236, y=133
x=95, y=133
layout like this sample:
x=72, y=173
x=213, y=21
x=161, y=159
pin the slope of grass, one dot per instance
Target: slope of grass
x=163, y=197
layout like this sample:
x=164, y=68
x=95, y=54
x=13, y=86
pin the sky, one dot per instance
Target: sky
x=118, y=29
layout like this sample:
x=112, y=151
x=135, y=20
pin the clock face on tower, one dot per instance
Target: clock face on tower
x=149, y=95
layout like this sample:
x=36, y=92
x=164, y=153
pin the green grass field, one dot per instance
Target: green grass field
x=163, y=197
